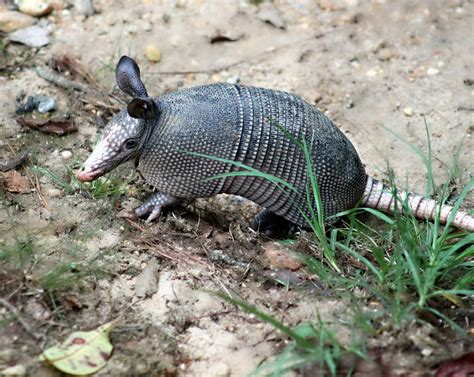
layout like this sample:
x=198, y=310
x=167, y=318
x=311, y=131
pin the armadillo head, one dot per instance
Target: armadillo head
x=127, y=132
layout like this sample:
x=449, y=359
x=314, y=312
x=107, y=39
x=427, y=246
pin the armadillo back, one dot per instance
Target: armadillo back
x=339, y=171
x=243, y=124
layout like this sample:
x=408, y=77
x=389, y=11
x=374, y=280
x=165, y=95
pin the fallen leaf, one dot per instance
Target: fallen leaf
x=82, y=353
x=460, y=367
x=70, y=302
x=15, y=182
x=57, y=127
x=280, y=257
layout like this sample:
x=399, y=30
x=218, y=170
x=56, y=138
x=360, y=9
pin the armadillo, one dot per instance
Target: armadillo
x=250, y=126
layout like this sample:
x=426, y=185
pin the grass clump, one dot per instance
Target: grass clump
x=103, y=187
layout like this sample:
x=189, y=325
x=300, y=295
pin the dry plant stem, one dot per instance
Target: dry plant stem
x=20, y=320
x=60, y=81
x=257, y=58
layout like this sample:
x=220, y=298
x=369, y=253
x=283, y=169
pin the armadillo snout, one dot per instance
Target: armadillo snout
x=85, y=176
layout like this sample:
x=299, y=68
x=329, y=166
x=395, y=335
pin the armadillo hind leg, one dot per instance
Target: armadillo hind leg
x=154, y=205
x=270, y=224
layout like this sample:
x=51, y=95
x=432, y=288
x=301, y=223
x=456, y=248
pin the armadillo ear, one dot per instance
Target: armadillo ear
x=128, y=79
x=142, y=108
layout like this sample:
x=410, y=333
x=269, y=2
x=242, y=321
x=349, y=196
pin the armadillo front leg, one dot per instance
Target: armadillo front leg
x=154, y=205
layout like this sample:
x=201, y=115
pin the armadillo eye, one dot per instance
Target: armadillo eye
x=131, y=144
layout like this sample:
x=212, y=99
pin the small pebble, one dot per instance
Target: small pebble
x=36, y=8
x=371, y=73
x=408, y=111
x=32, y=36
x=46, y=104
x=16, y=370
x=233, y=79
x=426, y=351
x=84, y=7
x=153, y=53
x=11, y=21
x=66, y=154
x=432, y=71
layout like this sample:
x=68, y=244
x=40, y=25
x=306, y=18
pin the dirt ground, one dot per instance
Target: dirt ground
x=372, y=66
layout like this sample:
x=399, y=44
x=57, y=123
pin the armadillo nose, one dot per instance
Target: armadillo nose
x=84, y=176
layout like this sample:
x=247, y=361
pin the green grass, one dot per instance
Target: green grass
x=29, y=259
x=410, y=267
x=103, y=187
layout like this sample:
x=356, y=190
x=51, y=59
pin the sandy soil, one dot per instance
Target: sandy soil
x=372, y=66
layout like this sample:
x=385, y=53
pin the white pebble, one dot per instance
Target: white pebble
x=66, y=154
x=233, y=79
x=371, y=73
x=426, y=351
x=432, y=71
x=408, y=111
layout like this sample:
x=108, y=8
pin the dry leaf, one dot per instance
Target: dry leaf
x=280, y=257
x=56, y=127
x=460, y=367
x=15, y=182
x=82, y=353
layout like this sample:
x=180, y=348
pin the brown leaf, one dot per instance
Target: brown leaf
x=66, y=63
x=57, y=127
x=70, y=302
x=15, y=182
x=460, y=367
x=280, y=257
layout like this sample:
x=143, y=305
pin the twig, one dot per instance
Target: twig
x=20, y=320
x=60, y=81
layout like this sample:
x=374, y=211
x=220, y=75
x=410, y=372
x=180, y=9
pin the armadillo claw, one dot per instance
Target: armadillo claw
x=154, y=205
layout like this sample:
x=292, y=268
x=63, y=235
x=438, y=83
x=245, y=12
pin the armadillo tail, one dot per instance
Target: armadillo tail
x=381, y=197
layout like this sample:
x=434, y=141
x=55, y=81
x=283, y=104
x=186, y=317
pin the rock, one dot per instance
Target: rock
x=233, y=79
x=146, y=284
x=408, y=111
x=66, y=154
x=219, y=369
x=84, y=7
x=33, y=36
x=386, y=53
x=153, y=53
x=371, y=73
x=45, y=104
x=11, y=21
x=16, y=370
x=316, y=97
x=36, y=8
x=432, y=71
x=37, y=311
x=269, y=14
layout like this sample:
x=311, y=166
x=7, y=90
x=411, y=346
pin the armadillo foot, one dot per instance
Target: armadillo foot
x=272, y=225
x=154, y=205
